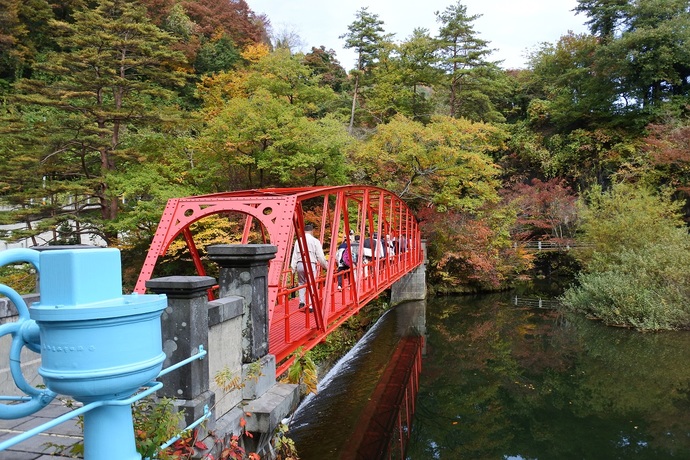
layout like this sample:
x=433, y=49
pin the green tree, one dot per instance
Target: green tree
x=280, y=73
x=285, y=76
x=384, y=96
x=419, y=71
x=24, y=33
x=403, y=80
x=570, y=91
x=625, y=217
x=445, y=163
x=605, y=16
x=464, y=59
x=111, y=77
x=645, y=48
x=216, y=54
x=366, y=36
x=265, y=141
x=265, y=126
x=590, y=157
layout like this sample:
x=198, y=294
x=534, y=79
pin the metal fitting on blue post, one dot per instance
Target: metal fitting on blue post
x=96, y=344
x=24, y=334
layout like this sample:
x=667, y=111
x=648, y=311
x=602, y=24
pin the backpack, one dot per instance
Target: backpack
x=346, y=261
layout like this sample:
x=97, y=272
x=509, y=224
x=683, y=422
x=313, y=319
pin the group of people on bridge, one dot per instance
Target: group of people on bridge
x=347, y=256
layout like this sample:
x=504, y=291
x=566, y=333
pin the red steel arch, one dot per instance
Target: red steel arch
x=281, y=214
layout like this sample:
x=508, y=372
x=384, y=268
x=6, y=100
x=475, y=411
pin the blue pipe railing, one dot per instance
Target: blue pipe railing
x=191, y=426
x=199, y=355
x=152, y=388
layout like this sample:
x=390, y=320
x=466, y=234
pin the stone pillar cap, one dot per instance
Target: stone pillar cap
x=186, y=285
x=229, y=253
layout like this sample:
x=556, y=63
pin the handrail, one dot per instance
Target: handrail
x=199, y=355
x=191, y=426
x=155, y=386
x=152, y=388
x=535, y=302
x=550, y=244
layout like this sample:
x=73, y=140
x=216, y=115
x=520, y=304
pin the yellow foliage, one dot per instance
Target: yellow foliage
x=227, y=380
x=218, y=33
x=303, y=371
x=208, y=231
x=446, y=163
x=216, y=89
x=255, y=52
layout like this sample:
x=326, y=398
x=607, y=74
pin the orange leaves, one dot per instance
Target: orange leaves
x=470, y=252
x=669, y=153
x=233, y=450
x=545, y=209
x=186, y=446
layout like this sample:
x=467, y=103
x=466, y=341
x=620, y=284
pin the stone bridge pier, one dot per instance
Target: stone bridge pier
x=411, y=286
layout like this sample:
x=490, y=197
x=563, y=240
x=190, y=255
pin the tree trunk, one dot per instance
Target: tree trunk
x=354, y=104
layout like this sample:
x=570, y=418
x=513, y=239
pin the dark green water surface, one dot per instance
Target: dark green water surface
x=501, y=382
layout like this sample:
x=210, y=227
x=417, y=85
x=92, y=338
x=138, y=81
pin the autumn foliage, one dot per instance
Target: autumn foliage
x=545, y=210
x=471, y=253
x=668, y=148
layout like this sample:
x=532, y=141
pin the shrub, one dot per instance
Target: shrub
x=639, y=273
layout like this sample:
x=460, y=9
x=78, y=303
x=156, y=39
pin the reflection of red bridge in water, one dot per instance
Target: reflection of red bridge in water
x=277, y=217
x=386, y=422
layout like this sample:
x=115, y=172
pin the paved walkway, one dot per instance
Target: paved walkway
x=42, y=446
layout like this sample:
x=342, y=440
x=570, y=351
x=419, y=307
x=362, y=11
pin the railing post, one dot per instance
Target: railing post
x=185, y=328
x=244, y=273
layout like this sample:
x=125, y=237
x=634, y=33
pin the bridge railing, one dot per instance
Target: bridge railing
x=360, y=283
x=551, y=245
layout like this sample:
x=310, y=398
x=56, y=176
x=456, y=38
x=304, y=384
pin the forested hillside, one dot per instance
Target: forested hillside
x=110, y=107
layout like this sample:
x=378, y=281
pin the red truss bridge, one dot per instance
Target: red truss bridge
x=278, y=217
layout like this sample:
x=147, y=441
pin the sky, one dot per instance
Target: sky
x=511, y=26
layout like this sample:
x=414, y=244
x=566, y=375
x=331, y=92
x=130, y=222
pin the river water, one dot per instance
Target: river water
x=503, y=382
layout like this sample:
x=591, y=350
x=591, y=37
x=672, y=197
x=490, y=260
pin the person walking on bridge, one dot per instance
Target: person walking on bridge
x=316, y=258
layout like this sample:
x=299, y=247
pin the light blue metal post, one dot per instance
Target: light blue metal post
x=97, y=345
x=109, y=434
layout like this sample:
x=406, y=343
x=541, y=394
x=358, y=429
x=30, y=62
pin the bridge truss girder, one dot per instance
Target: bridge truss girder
x=277, y=216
